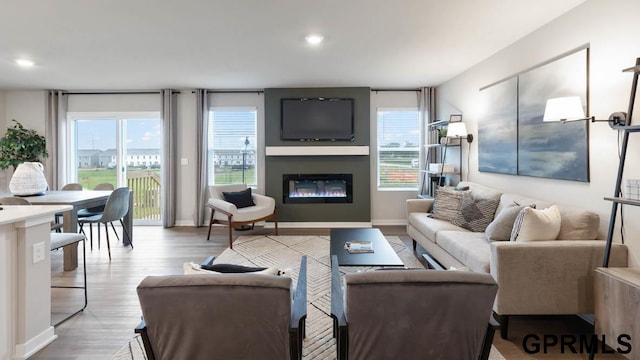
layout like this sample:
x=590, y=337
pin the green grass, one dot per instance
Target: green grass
x=228, y=176
x=90, y=178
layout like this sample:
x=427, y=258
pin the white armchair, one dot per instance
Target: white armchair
x=227, y=213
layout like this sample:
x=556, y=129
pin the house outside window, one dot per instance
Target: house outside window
x=398, y=148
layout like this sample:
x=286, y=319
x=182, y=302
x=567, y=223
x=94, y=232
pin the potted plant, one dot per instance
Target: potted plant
x=22, y=149
x=20, y=145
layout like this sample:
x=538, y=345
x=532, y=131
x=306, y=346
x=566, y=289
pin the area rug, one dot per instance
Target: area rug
x=284, y=252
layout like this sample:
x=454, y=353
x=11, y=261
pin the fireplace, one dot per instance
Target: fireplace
x=317, y=188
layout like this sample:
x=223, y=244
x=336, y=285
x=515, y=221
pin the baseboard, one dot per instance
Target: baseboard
x=389, y=222
x=35, y=344
x=187, y=223
x=319, y=225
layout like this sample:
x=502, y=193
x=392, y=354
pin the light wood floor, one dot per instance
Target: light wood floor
x=113, y=311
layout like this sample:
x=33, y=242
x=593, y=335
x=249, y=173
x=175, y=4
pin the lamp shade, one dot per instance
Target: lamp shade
x=456, y=129
x=564, y=109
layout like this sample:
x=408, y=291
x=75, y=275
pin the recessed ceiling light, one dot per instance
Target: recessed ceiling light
x=314, y=39
x=25, y=63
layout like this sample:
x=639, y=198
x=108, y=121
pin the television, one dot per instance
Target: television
x=317, y=119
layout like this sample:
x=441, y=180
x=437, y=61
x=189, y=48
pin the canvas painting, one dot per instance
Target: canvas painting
x=498, y=128
x=553, y=149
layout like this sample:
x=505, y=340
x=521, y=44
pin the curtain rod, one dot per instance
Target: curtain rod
x=114, y=93
x=257, y=91
x=377, y=90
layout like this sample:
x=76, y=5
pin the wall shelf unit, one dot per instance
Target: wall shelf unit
x=618, y=289
x=436, y=152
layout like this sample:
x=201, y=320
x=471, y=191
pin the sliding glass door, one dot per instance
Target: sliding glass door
x=122, y=149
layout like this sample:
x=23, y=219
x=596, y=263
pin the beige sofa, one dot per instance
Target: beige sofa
x=534, y=277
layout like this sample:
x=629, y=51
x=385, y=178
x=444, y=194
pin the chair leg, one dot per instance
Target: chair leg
x=125, y=233
x=414, y=244
x=230, y=235
x=210, y=224
x=114, y=229
x=106, y=228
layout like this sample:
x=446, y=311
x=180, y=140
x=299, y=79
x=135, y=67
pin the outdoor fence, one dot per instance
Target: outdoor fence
x=146, y=194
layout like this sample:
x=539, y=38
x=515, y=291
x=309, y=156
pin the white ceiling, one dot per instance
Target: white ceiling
x=236, y=44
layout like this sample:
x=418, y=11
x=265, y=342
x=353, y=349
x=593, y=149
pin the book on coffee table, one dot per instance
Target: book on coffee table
x=359, y=246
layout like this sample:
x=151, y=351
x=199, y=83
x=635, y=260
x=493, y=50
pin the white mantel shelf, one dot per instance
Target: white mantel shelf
x=316, y=150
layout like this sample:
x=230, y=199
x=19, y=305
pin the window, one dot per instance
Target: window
x=398, y=134
x=232, y=146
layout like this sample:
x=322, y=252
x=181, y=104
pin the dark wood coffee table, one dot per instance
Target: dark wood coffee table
x=383, y=254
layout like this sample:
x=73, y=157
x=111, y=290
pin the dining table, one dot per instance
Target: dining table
x=79, y=200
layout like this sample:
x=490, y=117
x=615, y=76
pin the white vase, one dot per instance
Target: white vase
x=28, y=179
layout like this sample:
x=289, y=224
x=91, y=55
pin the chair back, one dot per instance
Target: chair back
x=421, y=314
x=104, y=186
x=72, y=187
x=117, y=205
x=229, y=316
x=14, y=200
x=215, y=191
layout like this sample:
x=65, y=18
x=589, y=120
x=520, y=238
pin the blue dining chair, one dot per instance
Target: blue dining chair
x=115, y=209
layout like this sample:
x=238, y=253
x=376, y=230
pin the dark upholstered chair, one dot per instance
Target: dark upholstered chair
x=412, y=314
x=223, y=316
x=226, y=213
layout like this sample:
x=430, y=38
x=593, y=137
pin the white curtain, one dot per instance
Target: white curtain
x=55, y=133
x=427, y=109
x=202, y=119
x=169, y=157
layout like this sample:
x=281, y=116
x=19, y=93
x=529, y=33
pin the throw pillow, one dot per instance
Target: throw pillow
x=475, y=214
x=502, y=225
x=240, y=199
x=447, y=204
x=191, y=268
x=532, y=224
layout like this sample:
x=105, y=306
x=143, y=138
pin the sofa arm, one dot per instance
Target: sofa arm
x=548, y=277
x=419, y=205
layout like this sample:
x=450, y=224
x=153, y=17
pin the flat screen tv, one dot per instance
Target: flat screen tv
x=317, y=119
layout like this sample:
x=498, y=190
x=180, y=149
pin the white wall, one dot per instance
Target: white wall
x=611, y=28
x=28, y=107
x=388, y=206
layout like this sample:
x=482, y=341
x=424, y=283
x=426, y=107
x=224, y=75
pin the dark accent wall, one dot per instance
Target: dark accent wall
x=359, y=166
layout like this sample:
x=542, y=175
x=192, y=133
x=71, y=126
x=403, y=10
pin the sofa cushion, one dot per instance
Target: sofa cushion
x=532, y=224
x=447, y=204
x=475, y=214
x=430, y=226
x=470, y=248
x=502, y=225
x=480, y=191
x=578, y=224
x=507, y=199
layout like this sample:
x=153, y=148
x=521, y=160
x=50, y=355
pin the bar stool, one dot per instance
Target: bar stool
x=60, y=240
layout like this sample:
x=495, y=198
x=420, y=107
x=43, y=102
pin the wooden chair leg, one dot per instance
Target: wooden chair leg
x=230, y=235
x=210, y=224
